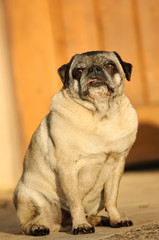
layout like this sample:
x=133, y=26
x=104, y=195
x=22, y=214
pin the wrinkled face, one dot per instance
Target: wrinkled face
x=94, y=74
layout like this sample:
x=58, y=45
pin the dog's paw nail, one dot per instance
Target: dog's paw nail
x=75, y=231
x=123, y=223
x=127, y=223
x=83, y=229
x=92, y=230
x=88, y=230
x=118, y=225
x=130, y=223
x=39, y=231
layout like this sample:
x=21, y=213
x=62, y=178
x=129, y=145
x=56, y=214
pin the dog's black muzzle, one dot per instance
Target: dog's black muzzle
x=96, y=76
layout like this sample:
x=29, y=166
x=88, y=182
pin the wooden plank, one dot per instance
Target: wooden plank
x=33, y=60
x=149, y=114
x=146, y=147
x=120, y=35
x=140, y=51
x=44, y=34
x=10, y=147
x=58, y=31
x=80, y=26
x=149, y=26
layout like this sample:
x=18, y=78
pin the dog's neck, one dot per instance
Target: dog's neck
x=107, y=107
x=101, y=106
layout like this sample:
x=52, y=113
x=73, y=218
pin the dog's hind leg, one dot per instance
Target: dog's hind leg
x=32, y=219
x=38, y=216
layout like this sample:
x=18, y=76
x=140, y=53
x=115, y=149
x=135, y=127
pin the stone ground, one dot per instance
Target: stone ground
x=138, y=199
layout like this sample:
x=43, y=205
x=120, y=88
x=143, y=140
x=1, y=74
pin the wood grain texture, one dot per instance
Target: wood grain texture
x=33, y=60
x=149, y=26
x=44, y=34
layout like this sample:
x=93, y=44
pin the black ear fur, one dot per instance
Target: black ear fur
x=63, y=72
x=127, y=67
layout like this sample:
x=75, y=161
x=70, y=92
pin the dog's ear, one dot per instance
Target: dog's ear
x=63, y=72
x=127, y=67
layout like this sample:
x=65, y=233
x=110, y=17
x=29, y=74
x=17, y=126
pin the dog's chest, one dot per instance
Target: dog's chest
x=109, y=139
x=107, y=136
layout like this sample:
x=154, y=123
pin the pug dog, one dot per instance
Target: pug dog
x=76, y=157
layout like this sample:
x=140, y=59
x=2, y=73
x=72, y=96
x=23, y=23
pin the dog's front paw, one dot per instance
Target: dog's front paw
x=121, y=223
x=83, y=228
x=36, y=230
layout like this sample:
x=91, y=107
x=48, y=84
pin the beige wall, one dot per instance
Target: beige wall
x=9, y=131
x=38, y=36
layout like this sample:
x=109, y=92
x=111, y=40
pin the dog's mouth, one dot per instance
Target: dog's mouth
x=92, y=80
x=95, y=82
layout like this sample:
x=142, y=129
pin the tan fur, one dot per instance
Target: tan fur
x=75, y=160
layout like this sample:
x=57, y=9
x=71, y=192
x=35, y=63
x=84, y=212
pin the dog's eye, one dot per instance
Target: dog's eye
x=77, y=72
x=110, y=66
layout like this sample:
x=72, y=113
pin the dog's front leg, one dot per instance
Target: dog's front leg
x=111, y=189
x=68, y=180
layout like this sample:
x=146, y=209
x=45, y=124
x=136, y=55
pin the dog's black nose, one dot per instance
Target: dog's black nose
x=94, y=69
